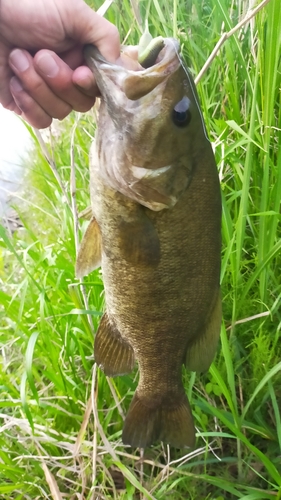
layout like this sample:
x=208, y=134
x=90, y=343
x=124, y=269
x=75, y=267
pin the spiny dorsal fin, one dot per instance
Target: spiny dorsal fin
x=89, y=255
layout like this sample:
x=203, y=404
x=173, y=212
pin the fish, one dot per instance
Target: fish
x=156, y=233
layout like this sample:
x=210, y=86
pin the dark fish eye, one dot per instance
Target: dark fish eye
x=182, y=113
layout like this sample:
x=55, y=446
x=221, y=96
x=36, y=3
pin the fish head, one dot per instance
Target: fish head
x=150, y=126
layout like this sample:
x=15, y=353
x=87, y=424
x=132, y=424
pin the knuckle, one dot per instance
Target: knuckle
x=34, y=86
x=25, y=103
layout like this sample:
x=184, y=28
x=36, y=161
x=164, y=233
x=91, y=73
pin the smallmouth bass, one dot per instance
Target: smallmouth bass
x=156, y=234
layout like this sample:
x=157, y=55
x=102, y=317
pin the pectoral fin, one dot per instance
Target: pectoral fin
x=89, y=255
x=202, y=350
x=112, y=353
x=139, y=241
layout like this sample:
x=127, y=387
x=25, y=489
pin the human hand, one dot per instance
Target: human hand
x=42, y=75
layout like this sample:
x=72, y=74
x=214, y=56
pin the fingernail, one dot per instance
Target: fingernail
x=19, y=60
x=15, y=84
x=85, y=83
x=47, y=65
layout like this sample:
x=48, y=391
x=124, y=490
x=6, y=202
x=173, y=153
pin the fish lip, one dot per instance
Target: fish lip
x=167, y=62
x=168, y=54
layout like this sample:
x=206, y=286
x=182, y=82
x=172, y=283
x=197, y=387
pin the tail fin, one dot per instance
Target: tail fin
x=173, y=425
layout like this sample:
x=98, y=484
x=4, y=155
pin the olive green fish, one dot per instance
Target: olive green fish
x=156, y=234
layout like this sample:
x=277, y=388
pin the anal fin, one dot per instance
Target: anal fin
x=112, y=353
x=89, y=255
x=202, y=350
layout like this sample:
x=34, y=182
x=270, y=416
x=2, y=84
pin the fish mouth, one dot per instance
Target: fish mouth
x=134, y=101
x=138, y=81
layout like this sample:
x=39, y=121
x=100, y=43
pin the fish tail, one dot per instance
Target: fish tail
x=146, y=423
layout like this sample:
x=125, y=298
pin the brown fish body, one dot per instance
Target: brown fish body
x=160, y=248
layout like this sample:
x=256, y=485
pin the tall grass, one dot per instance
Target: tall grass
x=61, y=421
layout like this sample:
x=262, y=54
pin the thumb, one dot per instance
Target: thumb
x=89, y=27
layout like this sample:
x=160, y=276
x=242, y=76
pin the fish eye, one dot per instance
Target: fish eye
x=181, y=112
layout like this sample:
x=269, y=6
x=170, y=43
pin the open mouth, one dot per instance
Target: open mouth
x=130, y=76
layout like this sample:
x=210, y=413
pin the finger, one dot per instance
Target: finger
x=29, y=109
x=58, y=76
x=21, y=62
x=6, y=98
x=10, y=103
x=84, y=79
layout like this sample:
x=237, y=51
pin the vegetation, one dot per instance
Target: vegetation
x=61, y=420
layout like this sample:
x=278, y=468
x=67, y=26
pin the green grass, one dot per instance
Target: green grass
x=61, y=421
